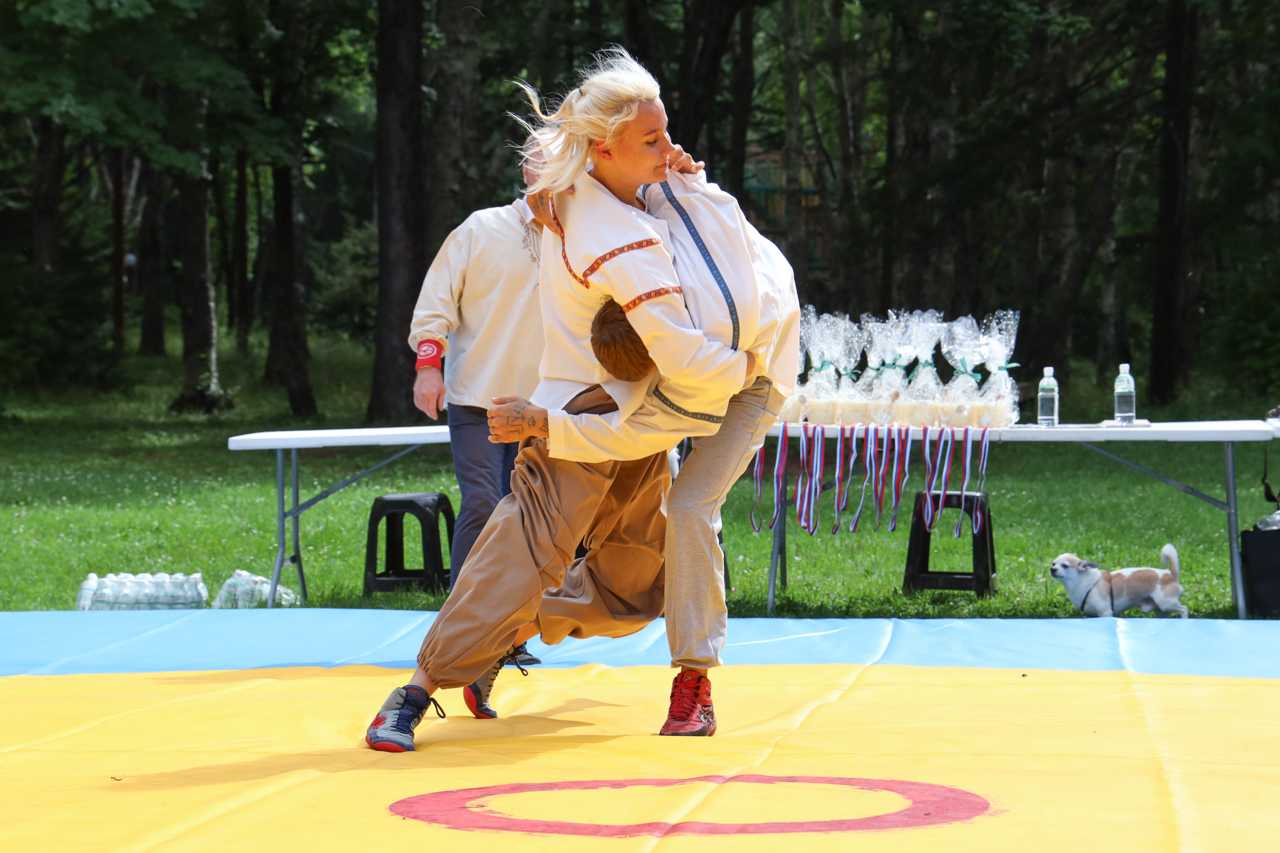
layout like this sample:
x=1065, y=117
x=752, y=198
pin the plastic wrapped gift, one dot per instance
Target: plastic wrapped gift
x=997, y=403
x=847, y=409
x=962, y=348
x=792, y=409
x=826, y=357
x=918, y=403
x=893, y=348
x=858, y=401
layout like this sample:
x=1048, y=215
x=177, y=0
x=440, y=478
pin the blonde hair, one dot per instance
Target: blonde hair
x=608, y=96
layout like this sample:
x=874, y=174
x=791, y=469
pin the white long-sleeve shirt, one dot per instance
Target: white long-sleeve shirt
x=739, y=290
x=613, y=250
x=479, y=296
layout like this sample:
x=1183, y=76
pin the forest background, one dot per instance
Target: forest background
x=278, y=171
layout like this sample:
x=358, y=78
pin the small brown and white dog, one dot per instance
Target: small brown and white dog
x=1098, y=593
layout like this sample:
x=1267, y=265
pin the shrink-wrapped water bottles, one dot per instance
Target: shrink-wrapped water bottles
x=243, y=591
x=144, y=591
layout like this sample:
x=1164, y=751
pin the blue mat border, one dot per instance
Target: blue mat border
x=69, y=642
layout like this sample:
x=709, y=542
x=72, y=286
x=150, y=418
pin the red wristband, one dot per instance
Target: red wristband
x=429, y=355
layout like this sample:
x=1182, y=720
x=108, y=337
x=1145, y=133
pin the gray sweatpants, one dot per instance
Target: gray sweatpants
x=697, y=619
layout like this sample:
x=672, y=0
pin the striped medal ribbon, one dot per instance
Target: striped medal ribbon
x=964, y=486
x=903, y=474
x=984, y=452
x=780, y=477
x=882, y=474
x=817, y=454
x=869, y=464
x=757, y=478
x=802, y=481
x=840, y=483
x=932, y=510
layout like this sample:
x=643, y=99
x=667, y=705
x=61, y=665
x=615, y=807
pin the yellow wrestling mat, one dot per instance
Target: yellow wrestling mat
x=808, y=757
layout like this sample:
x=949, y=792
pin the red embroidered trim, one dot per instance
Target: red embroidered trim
x=429, y=355
x=652, y=294
x=600, y=261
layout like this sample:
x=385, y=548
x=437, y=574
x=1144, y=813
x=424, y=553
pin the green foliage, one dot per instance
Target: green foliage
x=348, y=277
x=51, y=327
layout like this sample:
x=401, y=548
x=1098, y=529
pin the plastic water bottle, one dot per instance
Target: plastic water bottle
x=144, y=595
x=124, y=596
x=1126, y=396
x=1048, y=401
x=102, y=595
x=199, y=592
x=84, y=598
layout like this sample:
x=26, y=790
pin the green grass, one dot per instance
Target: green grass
x=106, y=482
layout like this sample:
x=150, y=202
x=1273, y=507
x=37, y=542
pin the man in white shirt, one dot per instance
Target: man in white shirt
x=478, y=295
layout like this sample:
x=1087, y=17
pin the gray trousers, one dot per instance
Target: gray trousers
x=483, y=470
x=697, y=619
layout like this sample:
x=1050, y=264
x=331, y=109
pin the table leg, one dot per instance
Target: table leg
x=778, y=555
x=1233, y=532
x=297, y=545
x=280, y=544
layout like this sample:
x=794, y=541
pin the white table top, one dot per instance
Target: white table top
x=1180, y=431
x=363, y=437
x=1183, y=431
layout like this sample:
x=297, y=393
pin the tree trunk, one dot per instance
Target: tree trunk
x=225, y=237
x=250, y=296
x=704, y=39
x=46, y=193
x=201, y=390
x=889, y=182
x=793, y=152
x=401, y=206
x=743, y=88
x=287, y=351
x=117, y=248
x=151, y=264
x=1172, y=326
x=850, y=95
x=240, y=308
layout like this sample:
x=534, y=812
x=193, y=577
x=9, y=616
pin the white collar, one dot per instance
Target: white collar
x=526, y=209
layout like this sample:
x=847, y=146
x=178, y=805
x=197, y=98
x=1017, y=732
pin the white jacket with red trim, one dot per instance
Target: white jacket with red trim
x=614, y=250
x=739, y=292
x=479, y=297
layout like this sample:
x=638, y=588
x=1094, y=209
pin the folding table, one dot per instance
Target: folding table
x=1226, y=432
x=295, y=440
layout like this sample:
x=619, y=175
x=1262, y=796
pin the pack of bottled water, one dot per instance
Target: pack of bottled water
x=144, y=591
x=244, y=590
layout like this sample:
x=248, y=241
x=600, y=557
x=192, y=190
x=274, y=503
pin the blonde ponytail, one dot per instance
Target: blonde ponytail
x=608, y=96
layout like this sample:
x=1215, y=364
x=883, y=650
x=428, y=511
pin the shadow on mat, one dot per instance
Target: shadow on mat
x=431, y=756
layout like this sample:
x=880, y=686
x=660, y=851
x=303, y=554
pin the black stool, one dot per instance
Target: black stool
x=427, y=507
x=982, y=579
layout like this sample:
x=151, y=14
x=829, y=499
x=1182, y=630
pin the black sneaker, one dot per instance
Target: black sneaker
x=393, y=725
x=477, y=693
x=523, y=658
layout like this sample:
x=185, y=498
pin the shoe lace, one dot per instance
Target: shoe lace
x=485, y=682
x=404, y=722
x=684, y=698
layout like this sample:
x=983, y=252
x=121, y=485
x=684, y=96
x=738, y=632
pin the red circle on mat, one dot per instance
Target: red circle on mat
x=930, y=805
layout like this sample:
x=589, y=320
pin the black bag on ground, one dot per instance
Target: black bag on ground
x=1260, y=564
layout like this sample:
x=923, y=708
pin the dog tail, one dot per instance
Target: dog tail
x=1169, y=556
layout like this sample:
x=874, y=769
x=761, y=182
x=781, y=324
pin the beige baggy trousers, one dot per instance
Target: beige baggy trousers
x=522, y=570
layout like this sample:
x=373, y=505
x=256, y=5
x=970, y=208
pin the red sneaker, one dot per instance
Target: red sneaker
x=691, y=713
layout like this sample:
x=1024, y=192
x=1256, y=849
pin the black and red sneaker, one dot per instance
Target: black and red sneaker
x=477, y=693
x=691, y=713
